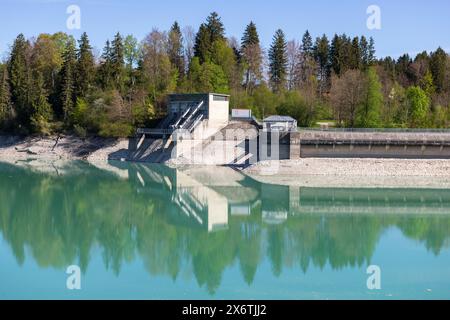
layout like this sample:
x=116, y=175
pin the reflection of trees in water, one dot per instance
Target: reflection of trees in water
x=61, y=219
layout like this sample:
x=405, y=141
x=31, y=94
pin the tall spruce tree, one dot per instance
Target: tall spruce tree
x=215, y=27
x=202, y=46
x=85, y=69
x=41, y=113
x=176, y=50
x=307, y=44
x=438, y=67
x=208, y=33
x=5, y=96
x=20, y=79
x=355, y=62
x=278, y=61
x=118, y=62
x=321, y=54
x=371, y=52
x=68, y=82
x=250, y=36
x=364, y=50
x=105, y=69
x=336, y=55
x=251, y=55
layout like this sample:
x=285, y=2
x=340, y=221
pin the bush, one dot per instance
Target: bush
x=41, y=125
x=80, y=131
x=116, y=130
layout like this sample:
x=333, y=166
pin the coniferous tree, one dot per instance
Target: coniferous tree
x=117, y=62
x=250, y=36
x=215, y=27
x=307, y=44
x=41, y=114
x=5, y=96
x=336, y=55
x=371, y=52
x=364, y=51
x=85, y=69
x=278, y=62
x=20, y=78
x=208, y=33
x=68, y=81
x=251, y=54
x=202, y=46
x=175, y=50
x=355, y=62
x=105, y=69
x=321, y=54
x=438, y=67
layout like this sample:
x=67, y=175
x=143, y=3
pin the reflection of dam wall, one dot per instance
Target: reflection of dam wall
x=206, y=198
x=386, y=201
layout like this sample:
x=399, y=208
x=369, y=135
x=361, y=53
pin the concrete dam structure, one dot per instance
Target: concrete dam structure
x=347, y=143
x=199, y=130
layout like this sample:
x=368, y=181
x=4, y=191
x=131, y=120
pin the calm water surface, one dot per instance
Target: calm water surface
x=157, y=233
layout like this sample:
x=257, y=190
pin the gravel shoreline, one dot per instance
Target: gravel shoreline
x=61, y=148
x=354, y=173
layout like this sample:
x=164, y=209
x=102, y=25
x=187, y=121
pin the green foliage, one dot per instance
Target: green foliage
x=250, y=36
x=395, y=113
x=18, y=69
x=426, y=83
x=321, y=54
x=438, y=65
x=369, y=114
x=80, y=113
x=68, y=82
x=105, y=77
x=116, y=129
x=85, y=67
x=54, y=80
x=252, y=57
x=117, y=63
x=307, y=44
x=278, y=62
x=207, y=77
x=418, y=106
x=5, y=97
x=208, y=33
x=176, y=50
x=294, y=105
x=131, y=51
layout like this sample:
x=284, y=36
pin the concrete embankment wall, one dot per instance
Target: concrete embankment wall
x=341, y=144
x=370, y=151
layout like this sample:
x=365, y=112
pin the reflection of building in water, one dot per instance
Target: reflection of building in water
x=206, y=198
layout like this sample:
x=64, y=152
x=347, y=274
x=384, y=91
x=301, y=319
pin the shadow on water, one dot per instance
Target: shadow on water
x=204, y=220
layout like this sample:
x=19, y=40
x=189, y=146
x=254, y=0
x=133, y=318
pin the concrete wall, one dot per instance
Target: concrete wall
x=219, y=111
x=367, y=151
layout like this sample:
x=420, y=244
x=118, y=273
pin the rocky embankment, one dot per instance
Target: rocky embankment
x=61, y=148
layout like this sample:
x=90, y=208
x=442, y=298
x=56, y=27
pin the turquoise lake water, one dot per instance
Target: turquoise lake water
x=158, y=233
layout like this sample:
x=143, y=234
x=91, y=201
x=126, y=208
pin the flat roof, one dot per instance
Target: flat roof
x=200, y=94
x=279, y=119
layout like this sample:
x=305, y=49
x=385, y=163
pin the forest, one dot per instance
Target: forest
x=54, y=84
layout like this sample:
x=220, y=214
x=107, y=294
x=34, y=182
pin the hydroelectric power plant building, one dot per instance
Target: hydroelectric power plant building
x=198, y=129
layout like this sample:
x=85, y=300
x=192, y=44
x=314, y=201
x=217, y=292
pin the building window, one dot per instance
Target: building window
x=220, y=98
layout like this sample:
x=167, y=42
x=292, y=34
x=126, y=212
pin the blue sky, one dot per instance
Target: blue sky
x=407, y=26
